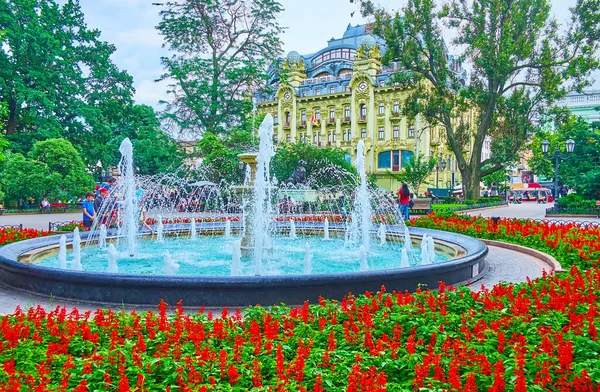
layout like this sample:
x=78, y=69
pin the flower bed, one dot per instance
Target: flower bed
x=538, y=335
x=568, y=243
x=9, y=235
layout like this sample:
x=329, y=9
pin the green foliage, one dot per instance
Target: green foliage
x=576, y=201
x=24, y=178
x=579, y=170
x=521, y=62
x=57, y=74
x=287, y=156
x=220, y=155
x=223, y=49
x=69, y=178
x=499, y=178
x=416, y=171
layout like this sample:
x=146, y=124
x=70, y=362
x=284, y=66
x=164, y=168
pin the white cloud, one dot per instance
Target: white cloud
x=149, y=92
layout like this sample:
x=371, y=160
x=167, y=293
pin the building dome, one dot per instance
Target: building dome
x=293, y=56
x=369, y=41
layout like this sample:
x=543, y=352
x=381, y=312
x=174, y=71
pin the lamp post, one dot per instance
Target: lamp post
x=557, y=157
x=506, y=178
x=441, y=166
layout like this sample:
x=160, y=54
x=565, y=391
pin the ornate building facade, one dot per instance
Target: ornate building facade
x=341, y=94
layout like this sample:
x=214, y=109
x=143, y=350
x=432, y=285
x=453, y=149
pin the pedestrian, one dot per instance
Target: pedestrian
x=45, y=205
x=110, y=184
x=403, y=201
x=89, y=213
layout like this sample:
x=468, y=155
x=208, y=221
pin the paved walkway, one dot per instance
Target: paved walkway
x=524, y=210
x=504, y=265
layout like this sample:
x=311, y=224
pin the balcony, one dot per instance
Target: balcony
x=302, y=123
x=331, y=120
x=286, y=125
x=435, y=141
x=362, y=119
x=346, y=119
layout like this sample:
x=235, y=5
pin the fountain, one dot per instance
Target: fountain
x=76, y=264
x=292, y=229
x=241, y=255
x=62, y=252
x=113, y=255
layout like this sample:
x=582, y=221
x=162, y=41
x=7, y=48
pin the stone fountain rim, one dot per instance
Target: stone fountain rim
x=10, y=254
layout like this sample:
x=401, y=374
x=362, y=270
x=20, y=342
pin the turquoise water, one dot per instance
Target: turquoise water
x=211, y=256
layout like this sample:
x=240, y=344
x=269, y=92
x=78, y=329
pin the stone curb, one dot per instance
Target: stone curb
x=546, y=258
x=570, y=216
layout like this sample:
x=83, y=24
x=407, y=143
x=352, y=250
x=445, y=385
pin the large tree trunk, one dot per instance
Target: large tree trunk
x=13, y=117
x=471, y=179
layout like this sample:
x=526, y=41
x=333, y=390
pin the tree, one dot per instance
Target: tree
x=416, y=171
x=223, y=48
x=24, y=178
x=67, y=171
x=521, y=63
x=220, y=156
x=322, y=164
x=581, y=169
x=56, y=76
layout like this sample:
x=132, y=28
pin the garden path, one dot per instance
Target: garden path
x=504, y=265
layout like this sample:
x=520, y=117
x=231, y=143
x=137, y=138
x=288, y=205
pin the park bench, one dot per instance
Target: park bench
x=422, y=206
x=598, y=208
x=56, y=207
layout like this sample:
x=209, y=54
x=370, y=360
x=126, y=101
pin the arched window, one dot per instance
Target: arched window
x=381, y=108
x=363, y=111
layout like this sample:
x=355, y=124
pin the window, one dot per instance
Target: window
x=396, y=106
x=394, y=159
x=331, y=90
x=363, y=111
x=344, y=135
x=347, y=112
x=396, y=133
x=329, y=137
x=331, y=114
x=349, y=135
x=302, y=136
x=288, y=138
x=315, y=138
x=303, y=117
x=411, y=131
x=381, y=83
x=381, y=108
x=304, y=93
x=347, y=89
x=381, y=133
x=318, y=91
x=318, y=114
x=363, y=133
x=287, y=118
x=333, y=134
x=275, y=118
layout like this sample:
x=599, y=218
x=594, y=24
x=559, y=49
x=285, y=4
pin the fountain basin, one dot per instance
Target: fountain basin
x=467, y=264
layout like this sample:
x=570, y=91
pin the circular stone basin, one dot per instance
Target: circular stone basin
x=204, y=274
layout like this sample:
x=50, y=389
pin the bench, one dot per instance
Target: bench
x=58, y=207
x=422, y=206
x=598, y=208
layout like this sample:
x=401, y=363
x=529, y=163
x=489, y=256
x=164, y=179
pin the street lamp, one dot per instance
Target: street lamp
x=441, y=166
x=557, y=157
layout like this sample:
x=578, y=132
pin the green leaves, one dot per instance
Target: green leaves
x=521, y=62
x=223, y=49
x=416, y=171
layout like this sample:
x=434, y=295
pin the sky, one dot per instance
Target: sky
x=130, y=26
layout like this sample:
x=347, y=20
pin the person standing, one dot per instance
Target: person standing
x=89, y=213
x=403, y=201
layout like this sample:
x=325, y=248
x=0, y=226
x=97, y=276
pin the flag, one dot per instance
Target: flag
x=313, y=120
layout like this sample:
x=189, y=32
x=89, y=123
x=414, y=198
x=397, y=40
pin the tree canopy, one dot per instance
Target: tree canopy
x=222, y=49
x=579, y=170
x=521, y=62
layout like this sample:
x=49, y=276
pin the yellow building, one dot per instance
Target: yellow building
x=341, y=94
